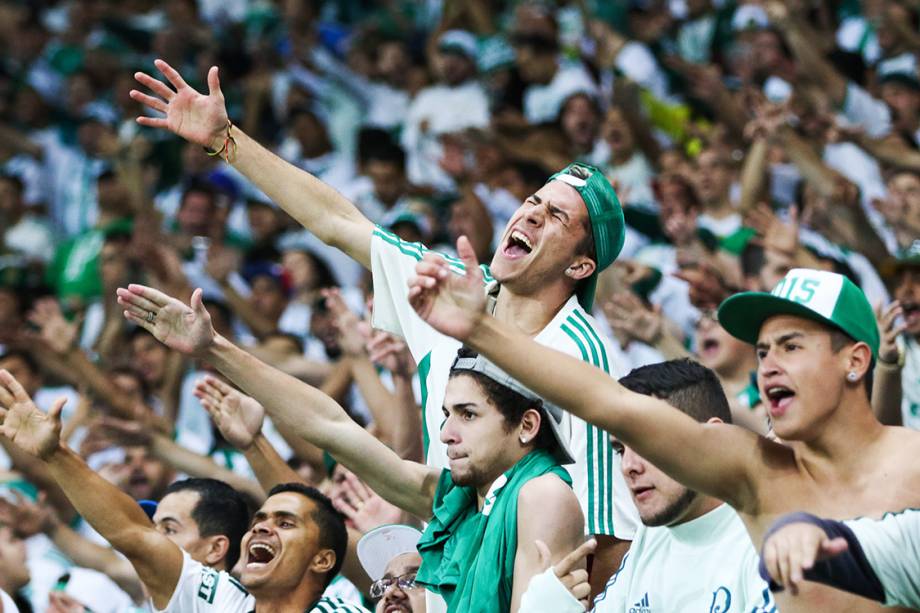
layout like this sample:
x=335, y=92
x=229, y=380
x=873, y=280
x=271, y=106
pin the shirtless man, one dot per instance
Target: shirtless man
x=816, y=339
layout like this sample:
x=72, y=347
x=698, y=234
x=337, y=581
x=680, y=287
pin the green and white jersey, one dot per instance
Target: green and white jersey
x=892, y=548
x=204, y=590
x=910, y=384
x=596, y=476
x=707, y=564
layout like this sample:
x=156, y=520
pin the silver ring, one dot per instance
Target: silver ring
x=151, y=316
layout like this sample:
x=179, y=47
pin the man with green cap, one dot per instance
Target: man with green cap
x=541, y=280
x=816, y=341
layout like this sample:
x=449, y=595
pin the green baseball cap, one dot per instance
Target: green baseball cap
x=821, y=296
x=909, y=257
x=606, y=215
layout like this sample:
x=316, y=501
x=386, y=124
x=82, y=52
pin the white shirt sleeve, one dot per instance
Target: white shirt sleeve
x=392, y=265
x=546, y=594
x=892, y=548
x=862, y=109
x=204, y=590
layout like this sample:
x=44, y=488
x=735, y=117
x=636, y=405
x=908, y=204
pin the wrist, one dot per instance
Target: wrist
x=895, y=360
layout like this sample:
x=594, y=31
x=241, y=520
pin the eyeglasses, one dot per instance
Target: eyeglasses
x=403, y=582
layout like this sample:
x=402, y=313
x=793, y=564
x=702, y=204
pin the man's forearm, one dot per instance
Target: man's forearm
x=886, y=394
x=269, y=467
x=315, y=205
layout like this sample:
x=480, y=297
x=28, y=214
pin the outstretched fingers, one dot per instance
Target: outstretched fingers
x=13, y=387
x=172, y=75
x=154, y=85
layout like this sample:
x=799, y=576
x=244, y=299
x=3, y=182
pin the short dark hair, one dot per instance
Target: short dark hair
x=25, y=356
x=220, y=510
x=684, y=384
x=509, y=403
x=839, y=340
x=331, y=523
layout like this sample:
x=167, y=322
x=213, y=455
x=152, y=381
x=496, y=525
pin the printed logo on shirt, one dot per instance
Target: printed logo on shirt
x=208, y=587
x=642, y=606
x=721, y=600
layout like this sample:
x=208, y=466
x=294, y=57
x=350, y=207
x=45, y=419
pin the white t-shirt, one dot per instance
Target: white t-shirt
x=542, y=103
x=596, y=477
x=910, y=384
x=892, y=548
x=204, y=590
x=707, y=564
x=6, y=603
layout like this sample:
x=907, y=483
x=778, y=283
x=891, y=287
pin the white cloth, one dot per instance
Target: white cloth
x=542, y=103
x=437, y=110
x=861, y=109
x=545, y=593
x=910, y=384
x=6, y=603
x=30, y=237
x=596, y=477
x=701, y=565
x=892, y=548
x=634, y=178
x=204, y=590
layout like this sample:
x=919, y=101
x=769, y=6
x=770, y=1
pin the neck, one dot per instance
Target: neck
x=699, y=507
x=720, y=208
x=620, y=157
x=483, y=489
x=530, y=313
x=839, y=452
x=277, y=600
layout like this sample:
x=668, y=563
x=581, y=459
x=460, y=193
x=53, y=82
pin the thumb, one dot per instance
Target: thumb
x=544, y=560
x=214, y=82
x=197, y=302
x=468, y=257
x=55, y=412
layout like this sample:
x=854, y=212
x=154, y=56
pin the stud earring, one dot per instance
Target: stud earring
x=852, y=376
x=523, y=440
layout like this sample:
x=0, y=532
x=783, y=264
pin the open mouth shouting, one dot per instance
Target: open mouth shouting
x=779, y=398
x=518, y=245
x=260, y=555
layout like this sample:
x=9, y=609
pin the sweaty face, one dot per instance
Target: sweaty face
x=800, y=378
x=541, y=238
x=907, y=291
x=396, y=599
x=280, y=545
x=660, y=500
x=478, y=444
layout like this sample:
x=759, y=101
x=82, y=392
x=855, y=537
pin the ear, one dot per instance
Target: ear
x=530, y=426
x=582, y=268
x=217, y=549
x=859, y=360
x=323, y=561
x=714, y=420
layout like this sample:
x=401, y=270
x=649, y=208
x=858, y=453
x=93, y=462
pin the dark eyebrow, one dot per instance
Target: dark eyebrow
x=782, y=339
x=555, y=210
x=460, y=406
x=535, y=198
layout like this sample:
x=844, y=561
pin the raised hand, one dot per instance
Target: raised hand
x=889, y=330
x=187, y=329
x=55, y=331
x=391, y=352
x=195, y=117
x=238, y=416
x=452, y=304
x=632, y=320
x=363, y=508
x=777, y=235
x=27, y=518
x=570, y=569
x=793, y=549
x=349, y=326
x=35, y=432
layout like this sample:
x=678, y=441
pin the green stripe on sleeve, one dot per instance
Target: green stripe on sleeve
x=597, y=338
x=424, y=367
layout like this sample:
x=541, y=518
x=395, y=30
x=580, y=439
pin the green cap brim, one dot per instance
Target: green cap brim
x=743, y=315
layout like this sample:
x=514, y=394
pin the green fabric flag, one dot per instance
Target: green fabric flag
x=468, y=555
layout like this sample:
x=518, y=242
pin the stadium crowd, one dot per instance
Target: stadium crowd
x=459, y=306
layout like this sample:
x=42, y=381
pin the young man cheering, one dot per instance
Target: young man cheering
x=505, y=451
x=542, y=277
x=816, y=338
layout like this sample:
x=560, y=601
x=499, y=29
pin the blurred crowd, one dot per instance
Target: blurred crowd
x=743, y=138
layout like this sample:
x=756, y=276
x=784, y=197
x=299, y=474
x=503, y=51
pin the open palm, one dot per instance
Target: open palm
x=194, y=116
x=238, y=416
x=187, y=329
x=451, y=304
x=30, y=429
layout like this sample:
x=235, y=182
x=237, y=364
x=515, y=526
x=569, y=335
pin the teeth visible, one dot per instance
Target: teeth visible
x=520, y=236
x=262, y=546
x=773, y=392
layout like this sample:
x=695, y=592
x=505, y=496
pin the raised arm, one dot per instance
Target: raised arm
x=451, y=304
x=203, y=119
x=114, y=514
x=303, y=409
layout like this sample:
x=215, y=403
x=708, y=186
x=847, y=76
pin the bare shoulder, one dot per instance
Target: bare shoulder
x=901, y=443
x=551, y=498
